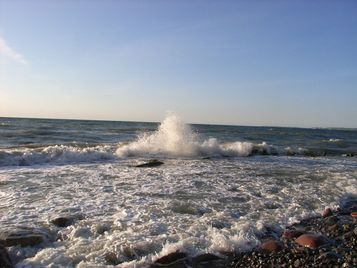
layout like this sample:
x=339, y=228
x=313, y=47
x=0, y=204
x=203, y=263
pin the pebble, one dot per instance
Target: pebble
x=297, y=263
x=326, y=213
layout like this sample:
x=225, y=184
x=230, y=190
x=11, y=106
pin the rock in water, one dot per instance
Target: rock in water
x=5, y=261
x=66, y=220
x=151, y=163
x=208, y=260
x=207, y=257
x=174, y=259
x=23, y=239
x=310, y=240
x=63, y=221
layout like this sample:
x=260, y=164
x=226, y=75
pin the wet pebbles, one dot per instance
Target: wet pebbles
x=326, y=241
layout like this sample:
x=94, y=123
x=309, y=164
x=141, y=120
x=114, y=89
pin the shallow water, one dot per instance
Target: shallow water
x=207, y=197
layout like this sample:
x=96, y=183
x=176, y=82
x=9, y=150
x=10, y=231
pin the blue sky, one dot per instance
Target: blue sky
x=285, y=63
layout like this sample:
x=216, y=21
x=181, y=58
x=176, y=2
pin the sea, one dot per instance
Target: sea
x=219, y=189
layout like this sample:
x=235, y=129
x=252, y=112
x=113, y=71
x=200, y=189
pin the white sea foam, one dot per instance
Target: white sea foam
x=176, y=139
x=334, y=140
x=190, y=205
x=55, y=154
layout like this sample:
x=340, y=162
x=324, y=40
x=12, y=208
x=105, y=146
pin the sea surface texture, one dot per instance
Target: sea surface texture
x=221, y=188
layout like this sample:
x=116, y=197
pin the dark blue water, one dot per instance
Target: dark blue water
x=20, y=138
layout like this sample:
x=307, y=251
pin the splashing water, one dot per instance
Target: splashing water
x=175, y=138
x=172, y=138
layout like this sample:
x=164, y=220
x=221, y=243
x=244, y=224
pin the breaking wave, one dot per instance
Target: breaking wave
x=173, y=138
x=55, y=154
x=176, y=139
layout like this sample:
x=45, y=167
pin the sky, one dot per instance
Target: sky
x=276, y=63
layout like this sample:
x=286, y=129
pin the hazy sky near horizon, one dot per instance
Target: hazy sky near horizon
x=286, y=63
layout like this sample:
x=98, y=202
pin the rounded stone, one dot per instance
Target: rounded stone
x=310, y=240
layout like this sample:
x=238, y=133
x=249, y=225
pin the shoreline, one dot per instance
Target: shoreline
x=329, y=240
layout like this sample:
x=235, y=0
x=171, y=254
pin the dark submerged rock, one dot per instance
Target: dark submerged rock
x=63, y=221
x=5, y=261
x=208, y=260
x=21, y=238
x=205, y=258
x=67, y=220
x=151, y=163
x=171, y=258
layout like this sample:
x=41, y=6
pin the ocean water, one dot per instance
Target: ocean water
x=221, y=188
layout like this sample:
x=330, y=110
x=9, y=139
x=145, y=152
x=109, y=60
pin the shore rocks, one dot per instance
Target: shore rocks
x=329, y=241
x=310, y=240
x=151, y=163
x=23, y=238
x=5, y=261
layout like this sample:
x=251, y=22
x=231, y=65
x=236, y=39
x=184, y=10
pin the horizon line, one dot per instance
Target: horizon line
x=190, y=123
